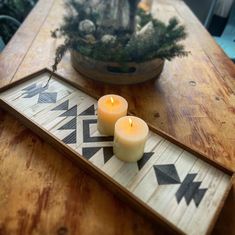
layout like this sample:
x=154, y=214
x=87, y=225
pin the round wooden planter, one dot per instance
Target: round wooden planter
x=113, y=73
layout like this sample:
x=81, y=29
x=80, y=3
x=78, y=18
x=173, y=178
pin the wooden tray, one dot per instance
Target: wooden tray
x=172, y=184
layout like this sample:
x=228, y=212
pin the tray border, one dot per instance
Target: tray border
x=103, y=178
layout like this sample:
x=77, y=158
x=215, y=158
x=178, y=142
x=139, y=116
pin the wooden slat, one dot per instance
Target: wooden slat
x=15, y=51
x=145, y=189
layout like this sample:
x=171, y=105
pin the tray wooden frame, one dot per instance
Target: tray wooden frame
x=94, y=171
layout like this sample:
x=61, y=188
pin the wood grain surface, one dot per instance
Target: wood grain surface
x=194, y=101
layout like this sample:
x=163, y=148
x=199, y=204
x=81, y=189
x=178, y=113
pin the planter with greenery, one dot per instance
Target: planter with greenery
x=117, y=42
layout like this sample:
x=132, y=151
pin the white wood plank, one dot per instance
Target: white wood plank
x=98, y=159
x=16, y=91
x=61, y=91
x=165, y=201
x=112, y=166
x=30, y=106
x=52, y=122
x=187, y=212
x=160, y=152
x=197, y=220
x=146, y=186
x=76, y=97
x=128, y=171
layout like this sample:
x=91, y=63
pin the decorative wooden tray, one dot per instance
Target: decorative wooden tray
x=171, y=183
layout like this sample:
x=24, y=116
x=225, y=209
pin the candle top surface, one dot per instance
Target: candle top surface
x=131, y=128
x=112, y=103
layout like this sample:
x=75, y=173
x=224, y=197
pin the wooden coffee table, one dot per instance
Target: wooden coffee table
x=193, y=100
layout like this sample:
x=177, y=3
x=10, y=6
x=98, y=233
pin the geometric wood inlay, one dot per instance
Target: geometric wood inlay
x=87, y=135
x=185, y=190
x=144, y=159
x=166, y=174
x=190, y=190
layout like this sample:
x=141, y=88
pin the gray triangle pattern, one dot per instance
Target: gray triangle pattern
x=62, y=106
x=108, y=153
x=89, y=152
x=71, y=138
x=166, y=174
x=89, y=111
x=70, y=112
x=71, y=125
x=47, y=97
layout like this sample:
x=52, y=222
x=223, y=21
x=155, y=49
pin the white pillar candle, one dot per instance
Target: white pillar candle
x=110, y=109
x=130, y=136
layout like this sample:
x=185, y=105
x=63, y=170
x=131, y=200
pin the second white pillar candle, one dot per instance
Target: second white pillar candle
x=130, y=136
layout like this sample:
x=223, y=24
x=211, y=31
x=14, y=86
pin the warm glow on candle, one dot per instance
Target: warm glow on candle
x=112, y=100
x=110, y=109
x=129, y=140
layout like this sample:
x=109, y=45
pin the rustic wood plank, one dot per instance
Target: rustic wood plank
x=15, y=51
x=194, y=105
